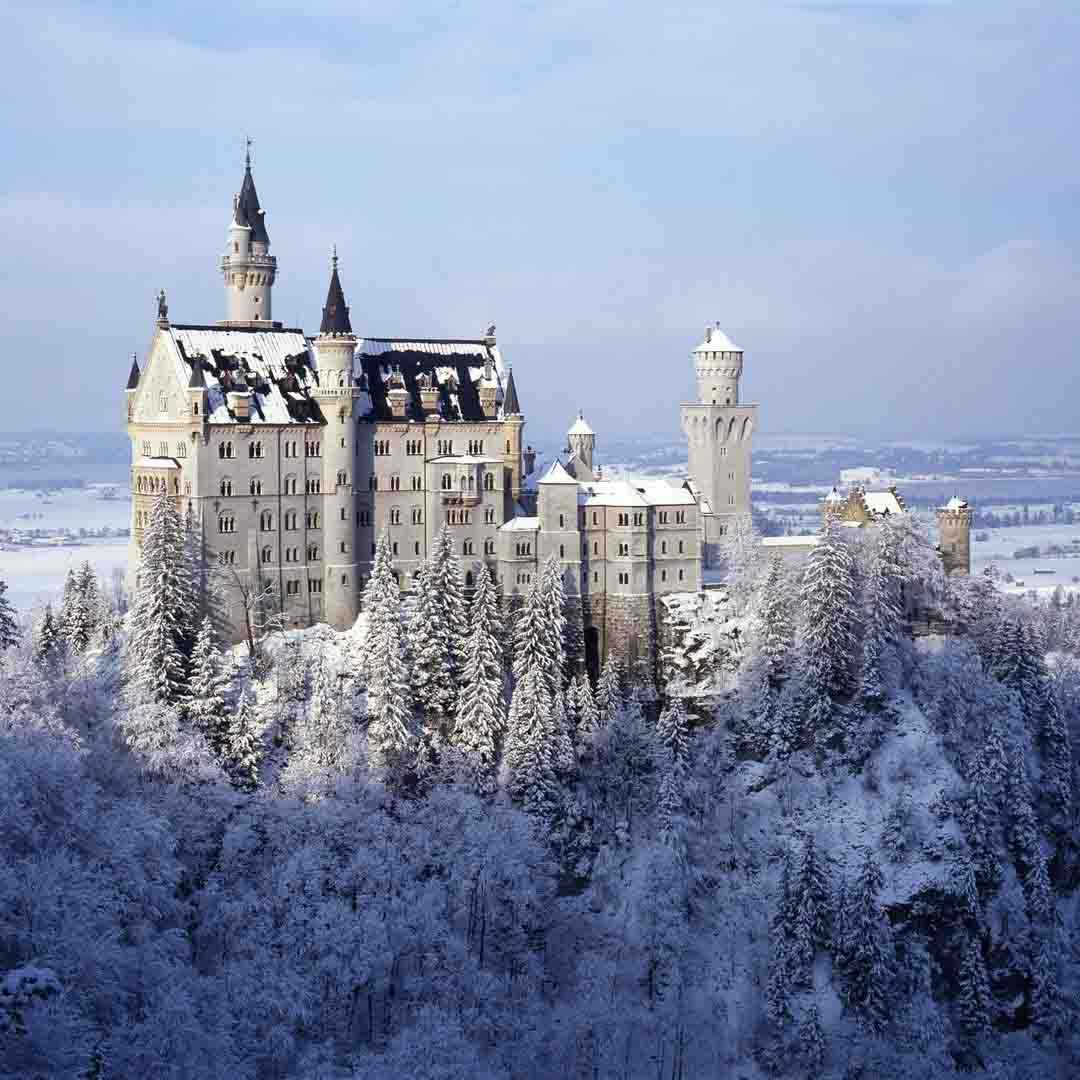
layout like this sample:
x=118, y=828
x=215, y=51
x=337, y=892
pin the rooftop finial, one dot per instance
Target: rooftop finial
x=333, y=257
x=162, y=307
x=247, y=153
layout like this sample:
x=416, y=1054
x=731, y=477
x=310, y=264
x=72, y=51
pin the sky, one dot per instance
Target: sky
x=877, y=199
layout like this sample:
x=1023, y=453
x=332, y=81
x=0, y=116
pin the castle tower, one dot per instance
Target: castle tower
x=582, y=442
x=719, y=430
x=954, y=536
x=336, y=394
x=247, y=266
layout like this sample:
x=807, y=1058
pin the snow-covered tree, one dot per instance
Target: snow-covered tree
x=741, y=556
x=870, y=963
x=588, y=716
x=973, y=997
x=882, y=614
x=292, y=673
x=813, y=916
x=390, y=735
x=775, y=619
x=829, y=619
x=9, y=628
x=1056, y=751
x=530, y=757
x=609, y=693
x=574, y=638
x=48, y=645
x=155, y=661
x=481, y=709
x=1048, y=1012
x=779, y=988
x=673, y=732
x=243, y=747
x=204, y=699
x=1024, y=838
x=812, y=1041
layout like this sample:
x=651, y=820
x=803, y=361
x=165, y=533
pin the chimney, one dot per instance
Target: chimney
x=240, y=404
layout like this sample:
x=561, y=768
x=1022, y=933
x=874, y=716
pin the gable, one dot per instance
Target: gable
x=162, y=394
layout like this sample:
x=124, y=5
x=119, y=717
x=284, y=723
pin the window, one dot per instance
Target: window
x=312, y=449
x=476, y=446
x=445, y=447
x=226, y=523
x=663, y=575
x=290, y=519
x=467, y=547
x=596, y=577
x=562, y=551
x=163, y=402
x=416, y=548
x=344, y=579
x=395, y=483
x=468, y=579
x=163, y=449
x=595, y=518
x=412, y=447
x=255, y=449
x=266, y=555
x=373, y=482
x=342, y=442
x=417, y=482
x=731, y=476
x=181, y=449
x=447, y=482
x=489, y=515
x=225, y=487
x=255, y=486
x=393, y=548
x=663, y=517
x=562, y=521
x=524, y=549
x=313, y=552
x=624, y=579
x=624, y=519
x=290, y=448
x=343, y=514
x=363, y=518
x=266, y=521
x=313, y=485
x=148, y=450
x=595, y=548
x=489, y=547
x=195, y=408
x=292, y=588
x=225, y=450
x=663, y=547
x=731, y=500
x=680, y=517
x=417, y=515
x=723, y=451
x=489, y=481
x=342, y=478
x=227, y=558
x=680, y=547
x=680, y=575
x=624, y=549
x=382, y=447
x=290, y=485
x=312, y=519
x=395, y=515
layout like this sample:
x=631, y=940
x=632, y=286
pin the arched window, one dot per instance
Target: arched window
x=468, y=579
x=290, y=485
x=489, y=481
x=313, y=552
x=255, y=450
x=395, y=515
x=226, y=487
x=489, y=547
x=255, y=486
x=266, y=555
x=447, y=482
x=466, y=547
x=266, y=521
x=463, y=483
x=163, y=402
x=562, y=551
x=181, y=449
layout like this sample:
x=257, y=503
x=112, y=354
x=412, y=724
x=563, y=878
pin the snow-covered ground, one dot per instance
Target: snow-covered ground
x=36, y=574
x=1000, y=544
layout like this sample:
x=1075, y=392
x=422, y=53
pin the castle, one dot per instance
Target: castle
x=295, y=453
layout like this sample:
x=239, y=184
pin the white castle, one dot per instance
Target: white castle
x=296, y=453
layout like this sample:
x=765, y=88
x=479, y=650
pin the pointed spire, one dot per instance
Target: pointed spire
x=196, y=382
x=247, y=210
x=511, y=405
x=133, y=378
x=335, y=315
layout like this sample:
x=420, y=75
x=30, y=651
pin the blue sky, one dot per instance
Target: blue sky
x=877, y=200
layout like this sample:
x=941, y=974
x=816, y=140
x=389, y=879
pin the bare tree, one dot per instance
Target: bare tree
x=259, y=607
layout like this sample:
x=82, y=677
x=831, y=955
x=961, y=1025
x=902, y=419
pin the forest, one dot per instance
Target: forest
x=802, y=843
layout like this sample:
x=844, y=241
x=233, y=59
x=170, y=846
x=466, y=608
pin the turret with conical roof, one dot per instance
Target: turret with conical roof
x=511, y=405
x=581, y=440
x=954, y=535
x=335, y=314
x=247, y=266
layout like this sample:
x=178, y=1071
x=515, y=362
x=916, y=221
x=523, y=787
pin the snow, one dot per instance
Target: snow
x=579, y=427
x=557, y=475
x=882, y=502
x=717, y=341
x=518, y=524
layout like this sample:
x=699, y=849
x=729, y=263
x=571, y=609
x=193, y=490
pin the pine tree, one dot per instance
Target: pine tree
x=530, y=761
x=828, y=625
x=154, y=662
x=390, y=737
x=67, y=607
x=204, y=700
x=778, y=990
x=609, y=694
x=1047, y=1008
x=671, y=802
x=574, y=638
x=870, y=968
x=481, y=711
x=9, y=628
x=673, y=732
x=554, y=624
x=588, y=716
x=292, y=673
x=813, y=918
x=882, y=617
x=812, y=1041
x=82, y=621
x=973, y=999
x=775, y=618
x=243, y=748
x=48, y=646
x=1056, y=752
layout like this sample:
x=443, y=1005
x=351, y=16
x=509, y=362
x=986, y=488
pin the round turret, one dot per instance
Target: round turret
x=954, y=535
x=582, y=441
x=247, y=267
x=718, y=363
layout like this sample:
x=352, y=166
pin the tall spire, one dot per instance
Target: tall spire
x=133, y=375
x=247, y=267
x=335, y=315
x=247, y=211
x=511, y=405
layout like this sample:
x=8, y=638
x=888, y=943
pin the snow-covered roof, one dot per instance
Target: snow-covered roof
x=956, y=503
x=717, y=341
x=515, y=524
x=834, y=496
x=661, y=493
x=465, y=459
x=276, y=365
x=882, y=502
x=556, y=475
x=456, y=369
x=579, y=427
x=609, y=493
x=146, y=462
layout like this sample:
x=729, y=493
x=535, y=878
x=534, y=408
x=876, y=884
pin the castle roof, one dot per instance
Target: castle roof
x=557, y=475
x=133, y=376
x=335, y=314
x=882, y=502
x=511, y=406
x=579, y=427
x=956, y=503
x=196, y=382
x=248, y=212
x=717, y=341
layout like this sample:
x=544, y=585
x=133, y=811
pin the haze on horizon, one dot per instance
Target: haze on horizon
x=877, y=200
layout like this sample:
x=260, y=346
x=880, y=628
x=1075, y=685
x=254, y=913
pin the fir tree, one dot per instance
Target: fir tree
x=813, y=921
x=882, y=619
x=48, y=647
x=481, y=711
x=775, y=618
x=574, y=638
x=67, y=607
x=778, y=990
x=1047, y=1008
x=154, y=661
x=870, y=967
x=588, y=716
x=390, y=737
x=204, y=701
x=243, y=746
x=554, y=624
x=9, y=629
x=1024, y=838
x=82, y=621
x=671, y=802
x=292, y=673
x=1056, y=751
x=828, y=625
x=673, y=733
x=812, y=1041
x=609, y=694
x=530, y=761
x=973, y=998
